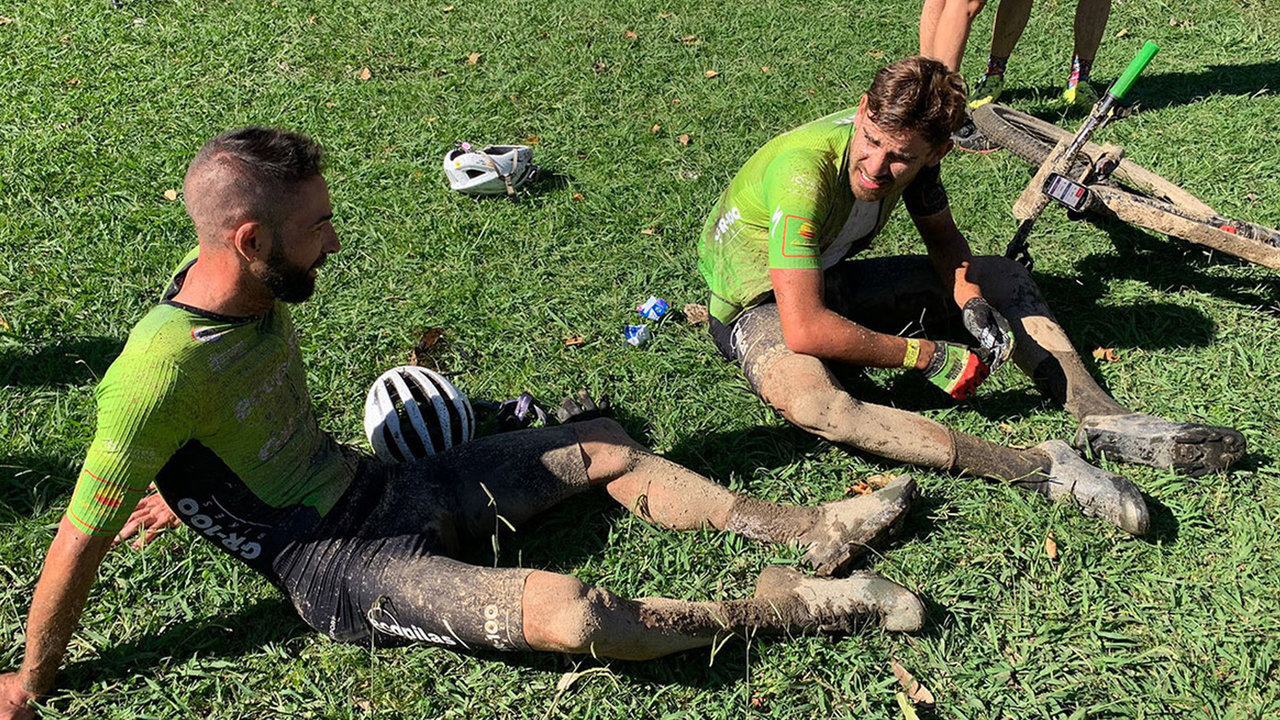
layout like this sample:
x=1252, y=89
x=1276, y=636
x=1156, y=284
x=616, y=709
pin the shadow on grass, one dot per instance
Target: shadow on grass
x=1157, y=263
x=1164, y=524
x=1154, y=91
x=69, y=362
x=225, y=635
x=28, y=482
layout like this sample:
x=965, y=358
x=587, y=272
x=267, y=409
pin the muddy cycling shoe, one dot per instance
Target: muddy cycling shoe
x=845, y=530
x=845, y=606
x=1188, y=448
x=970, y=139
x=581, y=408
x=1097, y=492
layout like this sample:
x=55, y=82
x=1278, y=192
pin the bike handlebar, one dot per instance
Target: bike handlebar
x=1132, y=72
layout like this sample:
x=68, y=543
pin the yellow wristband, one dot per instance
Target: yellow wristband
x=913, y=353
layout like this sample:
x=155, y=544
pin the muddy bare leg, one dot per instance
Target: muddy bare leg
x=1044, y=352
x=1042, y=349
x=565, y=615
x=808, y=394
x=666, y=493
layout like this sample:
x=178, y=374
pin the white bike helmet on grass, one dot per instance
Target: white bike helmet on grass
x=493, y=170
x=412, y=412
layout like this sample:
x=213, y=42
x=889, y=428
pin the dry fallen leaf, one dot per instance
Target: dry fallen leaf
x=664, y=15
x=422, y=350
x=365, y=74
x=73, y=81
x=1122, y=32
x=448, y=8
x=631, y=35
x=4, y=325
x=759, y=701
x=1106, y=355
x=474, y=58
x=656, y=127
x=916, y=691
x=689, y=39
x=311, y=20
x=433, y=118
x=880, y=480
x=695, y=314
x=171, y=195
x=600, y=67
x=712, y=73
x=1050, y=547
x=764, y=68
x=4, y=20
x=330, y=104
x=878, y=54
x=579, y=197
x=532, y=140
x=648, y=231
x=858, y=488
x=1007, y=428
x=573, y=341
x=1251, y=197
x=684, y=139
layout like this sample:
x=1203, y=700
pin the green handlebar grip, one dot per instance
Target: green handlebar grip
x=1132, y=72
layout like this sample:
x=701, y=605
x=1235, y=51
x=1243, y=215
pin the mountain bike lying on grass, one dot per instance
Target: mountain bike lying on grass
x=1098, y=179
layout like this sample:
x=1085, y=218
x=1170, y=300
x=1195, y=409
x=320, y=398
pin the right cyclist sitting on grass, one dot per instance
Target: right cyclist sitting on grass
x=790, y=303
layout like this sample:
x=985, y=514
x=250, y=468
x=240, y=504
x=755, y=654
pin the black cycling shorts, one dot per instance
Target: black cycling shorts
x=377, y=567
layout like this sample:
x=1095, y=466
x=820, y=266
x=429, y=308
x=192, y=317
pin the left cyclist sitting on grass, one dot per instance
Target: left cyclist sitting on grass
x=208, y=400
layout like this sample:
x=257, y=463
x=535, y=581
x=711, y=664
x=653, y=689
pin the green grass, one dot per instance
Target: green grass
x=1180, y=624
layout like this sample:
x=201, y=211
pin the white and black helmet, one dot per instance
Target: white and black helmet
x=493, y=170
x=413, y=412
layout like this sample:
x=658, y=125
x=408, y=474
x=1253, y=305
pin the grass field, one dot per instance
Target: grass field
x=104, y=103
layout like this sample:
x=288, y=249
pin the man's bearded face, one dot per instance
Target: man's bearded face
x=289, y=282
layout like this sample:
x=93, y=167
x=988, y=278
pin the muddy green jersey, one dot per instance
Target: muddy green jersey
x=215, y=411
x=791, y=207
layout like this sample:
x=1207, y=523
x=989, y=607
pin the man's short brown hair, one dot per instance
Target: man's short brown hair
x=249, y=174
x=918, y=94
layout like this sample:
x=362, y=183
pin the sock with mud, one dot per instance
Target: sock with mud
x=986, y=459
x=787, y=602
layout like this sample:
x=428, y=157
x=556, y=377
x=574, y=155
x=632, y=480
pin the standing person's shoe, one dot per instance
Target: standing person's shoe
x=1081, y=94
x=986, y=91
x=1189, y=448
x=970, y=139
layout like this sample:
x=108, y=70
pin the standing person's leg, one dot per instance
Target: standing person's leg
x=930, y=13
x=944, y=29
x=1011, y=19
x=503, y=480
x=1090, y=23
x=1044, y=353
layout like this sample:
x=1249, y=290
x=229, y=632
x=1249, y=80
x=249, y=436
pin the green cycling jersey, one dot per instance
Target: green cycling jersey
x=218, y=408
x=791, y=207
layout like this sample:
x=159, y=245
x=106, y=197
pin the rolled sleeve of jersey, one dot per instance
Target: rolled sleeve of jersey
x=794, y=192
x=925, y=195
x=140, y=427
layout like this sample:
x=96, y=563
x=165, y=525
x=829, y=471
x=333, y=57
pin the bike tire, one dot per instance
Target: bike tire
x=1032, y=139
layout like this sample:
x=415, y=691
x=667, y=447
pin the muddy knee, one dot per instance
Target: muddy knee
x=607, y=450
x=564, y=614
